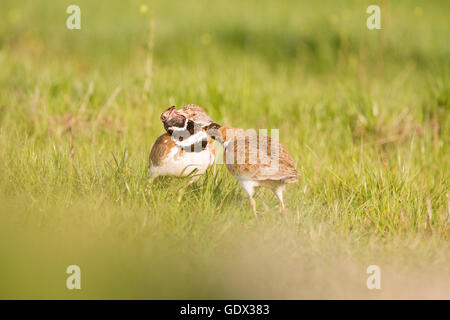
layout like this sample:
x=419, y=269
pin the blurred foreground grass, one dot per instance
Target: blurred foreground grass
x=365, y=115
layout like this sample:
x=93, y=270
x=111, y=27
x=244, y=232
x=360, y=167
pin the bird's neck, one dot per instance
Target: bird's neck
x=217, y=132
x=191, y=143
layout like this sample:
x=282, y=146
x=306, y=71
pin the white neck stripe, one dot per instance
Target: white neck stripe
x=195, y=138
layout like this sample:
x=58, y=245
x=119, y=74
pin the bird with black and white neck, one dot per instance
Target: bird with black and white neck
x=254, y=160
x=183, y=151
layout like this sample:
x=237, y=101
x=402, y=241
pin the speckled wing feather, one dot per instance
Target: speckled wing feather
x=259, y=158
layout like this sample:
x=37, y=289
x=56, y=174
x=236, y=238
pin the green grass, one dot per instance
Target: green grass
x=365, y=115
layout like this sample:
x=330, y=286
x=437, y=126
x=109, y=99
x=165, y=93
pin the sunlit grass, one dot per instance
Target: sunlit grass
x=365, y=115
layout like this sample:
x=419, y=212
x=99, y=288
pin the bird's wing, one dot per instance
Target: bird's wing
x=259, y=158
x=160, y=149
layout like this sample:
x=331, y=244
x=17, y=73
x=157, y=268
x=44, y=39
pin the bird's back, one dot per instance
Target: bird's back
x=259, y=157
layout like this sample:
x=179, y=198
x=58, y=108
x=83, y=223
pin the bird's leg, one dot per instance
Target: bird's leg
x=279, y=193
x=282, y=207
x=181, y=191
x=253, y=204
x=180, y=194
x=249, y=188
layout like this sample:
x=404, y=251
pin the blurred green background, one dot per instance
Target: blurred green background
x=364, y=113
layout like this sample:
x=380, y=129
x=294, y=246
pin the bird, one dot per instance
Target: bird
x=254, y=160
x=178, y=154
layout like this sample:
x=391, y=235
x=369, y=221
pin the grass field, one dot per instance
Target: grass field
x=364, y=113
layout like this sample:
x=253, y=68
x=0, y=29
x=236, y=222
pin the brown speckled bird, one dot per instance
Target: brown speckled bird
x=178, y=154
x=255, y=160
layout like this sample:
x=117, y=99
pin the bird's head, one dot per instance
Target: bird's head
x=190, y=118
